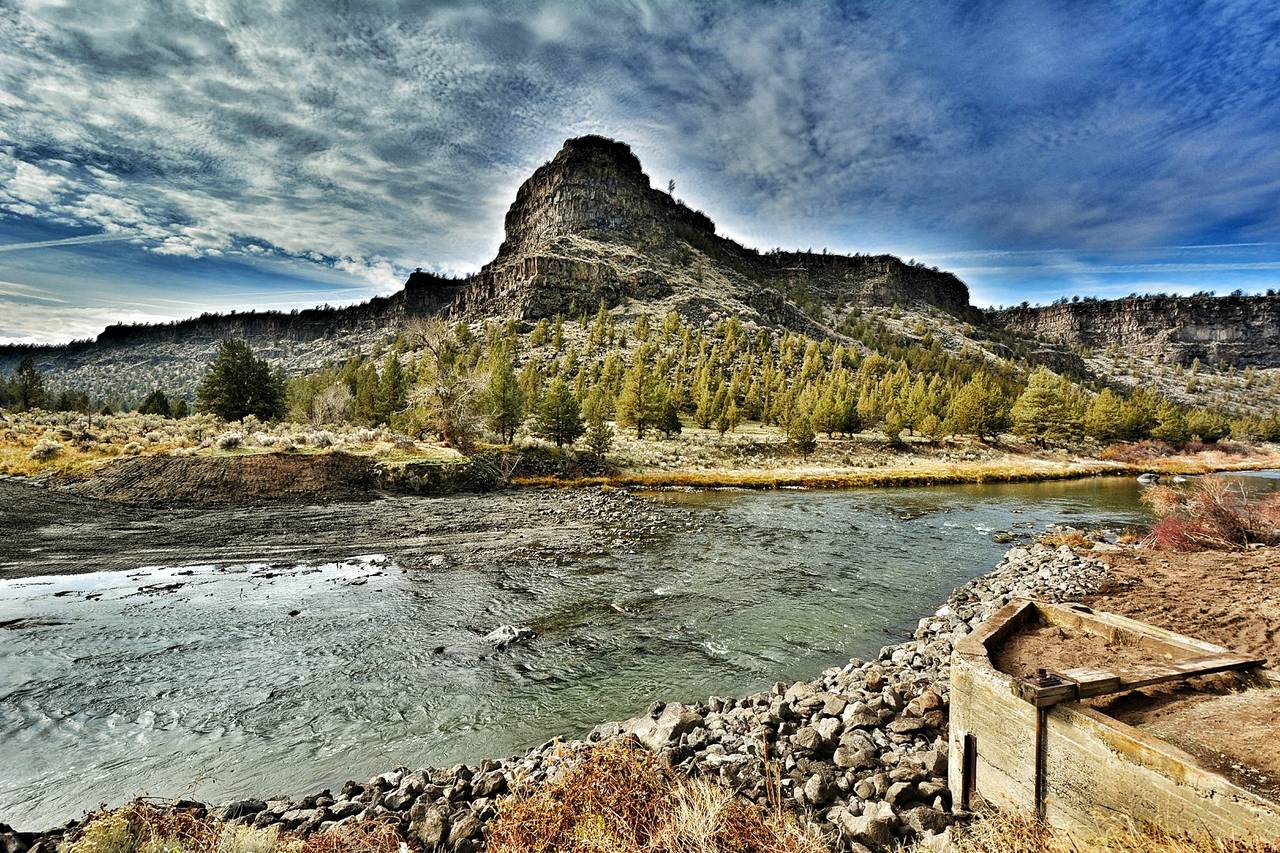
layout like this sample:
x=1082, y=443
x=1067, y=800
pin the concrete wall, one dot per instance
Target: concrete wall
x=1098, y=771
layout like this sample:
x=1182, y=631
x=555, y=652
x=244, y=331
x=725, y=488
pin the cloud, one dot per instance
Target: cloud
x=373, y=138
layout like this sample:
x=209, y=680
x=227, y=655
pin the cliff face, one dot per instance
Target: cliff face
x=1236, y=330
x=588, y=227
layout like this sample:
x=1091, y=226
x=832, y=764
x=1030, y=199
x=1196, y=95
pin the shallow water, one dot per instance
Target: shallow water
x=197, y=681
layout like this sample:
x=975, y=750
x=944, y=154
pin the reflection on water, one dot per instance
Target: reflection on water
x=223, y=681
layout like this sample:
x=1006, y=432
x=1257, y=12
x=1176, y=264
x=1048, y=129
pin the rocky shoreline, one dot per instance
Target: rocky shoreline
x=861, y=750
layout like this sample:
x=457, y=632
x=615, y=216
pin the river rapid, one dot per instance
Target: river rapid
x=232, y=679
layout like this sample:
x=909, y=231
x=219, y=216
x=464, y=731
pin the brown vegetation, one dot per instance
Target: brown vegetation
x=618, y=798
x=1212, y=514
x=1000, y=832
x=142, y=827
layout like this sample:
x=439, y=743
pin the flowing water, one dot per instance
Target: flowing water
x=194, y=681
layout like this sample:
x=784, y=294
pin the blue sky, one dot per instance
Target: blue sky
x=159, y=159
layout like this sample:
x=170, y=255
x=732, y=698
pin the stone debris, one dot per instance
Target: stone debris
x=861, y=750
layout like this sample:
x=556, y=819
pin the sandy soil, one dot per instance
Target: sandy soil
x=53, y=532
x=1228, y=598
x=1057, y=648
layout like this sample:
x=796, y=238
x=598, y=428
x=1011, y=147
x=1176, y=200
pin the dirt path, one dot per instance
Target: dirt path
x=52, y=532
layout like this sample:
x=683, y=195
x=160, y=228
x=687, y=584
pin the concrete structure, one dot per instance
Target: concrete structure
x=1032, y=745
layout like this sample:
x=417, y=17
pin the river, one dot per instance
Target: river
x=192, y=682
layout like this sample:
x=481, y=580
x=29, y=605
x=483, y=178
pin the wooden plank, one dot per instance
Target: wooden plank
x=1086, y=682
x=996, y=627
x=1148, y=674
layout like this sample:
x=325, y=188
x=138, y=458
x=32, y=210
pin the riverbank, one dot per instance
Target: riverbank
x=860, y=750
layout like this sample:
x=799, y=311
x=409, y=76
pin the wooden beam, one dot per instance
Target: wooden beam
x=1084, y=682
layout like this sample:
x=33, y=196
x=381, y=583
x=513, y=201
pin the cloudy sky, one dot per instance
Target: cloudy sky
x=160, y=159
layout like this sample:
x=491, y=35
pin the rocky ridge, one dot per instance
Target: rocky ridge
x=586, y=227
x=1239, y=331
x=861, y=750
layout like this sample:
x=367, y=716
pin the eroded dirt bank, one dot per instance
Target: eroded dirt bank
x=49, y=531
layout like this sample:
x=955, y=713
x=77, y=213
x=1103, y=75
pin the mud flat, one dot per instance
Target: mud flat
x=49, y=531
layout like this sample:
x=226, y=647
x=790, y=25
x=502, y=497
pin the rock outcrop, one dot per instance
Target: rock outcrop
x=587, y=226
x=1236, y=330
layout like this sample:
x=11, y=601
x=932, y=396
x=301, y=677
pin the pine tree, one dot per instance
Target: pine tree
x=27, y=387
x=977, y=409
x=599, y=435
x=801, y=437
x=239, y=384
x=504, y=399
x=392, y=391
x=559, y=418
x=156, y=403
x=669, y=420
x=1104, y=418
x=1171, y=423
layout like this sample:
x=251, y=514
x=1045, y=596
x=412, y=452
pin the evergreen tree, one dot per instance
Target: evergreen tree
x=504, y=398
x=978, y=409
x=239, y=384
x=1046, y=411
x=156, y=403
x=599, y=434
x=669, y=420
x=27, y=387
x=392, y=391
x=801, y=437
x=1104, y=418
x=178, y=408
x=1208, y=426
x=1171, y=423
x=559, y=418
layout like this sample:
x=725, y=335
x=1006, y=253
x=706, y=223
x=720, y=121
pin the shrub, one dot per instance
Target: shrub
x=228, y=441
x=143, y=828
x=1211, y=514
x=618, y=797
x=45, y=449
x=133, y=448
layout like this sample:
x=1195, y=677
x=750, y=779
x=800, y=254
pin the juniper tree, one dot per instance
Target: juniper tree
x=559, y=417
x=239, y=384
x=504, y=399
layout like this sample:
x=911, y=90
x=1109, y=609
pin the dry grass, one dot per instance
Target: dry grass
x=142, y=827
x=1211, y=514
x=1071, y=538
x=1000, y=832
x=617, y=797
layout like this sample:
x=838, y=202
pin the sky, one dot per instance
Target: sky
x=162, y=159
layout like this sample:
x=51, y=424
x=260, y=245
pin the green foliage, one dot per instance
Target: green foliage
x=1208, y=426
x=801, y=437
x=1171, y=424
x=978, y=409
x=559, y=417
x=504, y=399
x=599, y=435
x=1104, y=419
x=156, y=403
x=26, y=388
x=239, y=384
x=1048, y=411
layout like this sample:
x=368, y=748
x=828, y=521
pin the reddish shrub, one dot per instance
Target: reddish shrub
x=1210, y=514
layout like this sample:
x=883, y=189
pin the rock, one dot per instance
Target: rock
x=854, y=759
x=874, y=827
x=819, y=789
x=428, y=826
x=465, y=829
x=240, y=809
x=674, y=721
x=505, y=635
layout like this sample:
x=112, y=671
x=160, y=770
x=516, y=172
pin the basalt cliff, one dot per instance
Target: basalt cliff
x=1239, y=331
